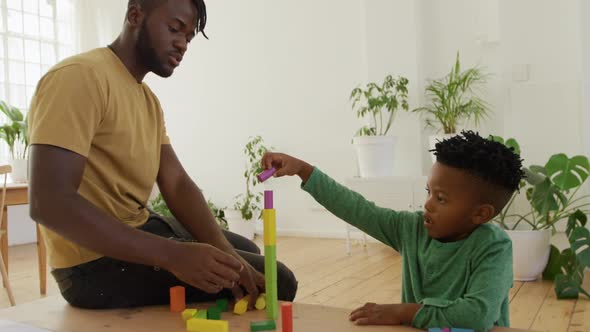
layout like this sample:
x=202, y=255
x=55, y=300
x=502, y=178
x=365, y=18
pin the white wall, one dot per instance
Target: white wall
x=543, y=35
x=585, y=38
x=284, y=70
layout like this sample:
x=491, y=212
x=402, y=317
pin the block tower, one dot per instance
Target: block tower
x=270, y=255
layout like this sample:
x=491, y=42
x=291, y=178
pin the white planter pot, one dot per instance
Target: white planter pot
x=530, y=251
x=433, y=139
x=375, y=155
x=238, y=225
x=20, y=170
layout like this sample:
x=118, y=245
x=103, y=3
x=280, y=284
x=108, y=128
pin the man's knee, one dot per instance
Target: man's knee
x=287, y=283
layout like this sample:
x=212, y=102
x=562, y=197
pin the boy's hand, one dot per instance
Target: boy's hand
x=287, y=165
x=385, y=314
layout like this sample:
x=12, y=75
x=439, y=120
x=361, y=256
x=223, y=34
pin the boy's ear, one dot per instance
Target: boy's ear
x=483, y=213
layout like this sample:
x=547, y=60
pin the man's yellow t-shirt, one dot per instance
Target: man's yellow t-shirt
x=90, y=104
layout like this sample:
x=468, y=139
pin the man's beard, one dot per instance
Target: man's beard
x=147, y=54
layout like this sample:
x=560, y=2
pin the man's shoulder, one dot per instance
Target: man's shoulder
x=93, y=62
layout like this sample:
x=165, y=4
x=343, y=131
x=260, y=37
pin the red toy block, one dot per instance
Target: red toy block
x=287, y=317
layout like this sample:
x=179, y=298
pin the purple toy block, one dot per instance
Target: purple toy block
x=266, y=174
x=268, y=201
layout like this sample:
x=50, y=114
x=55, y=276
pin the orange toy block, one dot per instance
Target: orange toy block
x=177, y=299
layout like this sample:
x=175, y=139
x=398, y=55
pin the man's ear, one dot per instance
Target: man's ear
x=483, y=213
x=135, y=15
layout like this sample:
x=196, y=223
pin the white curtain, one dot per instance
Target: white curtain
x=98, y=22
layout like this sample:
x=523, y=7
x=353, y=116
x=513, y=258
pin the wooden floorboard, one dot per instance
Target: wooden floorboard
x=370, y=274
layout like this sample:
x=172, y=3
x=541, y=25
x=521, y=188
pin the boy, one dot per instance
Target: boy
x=457, y=269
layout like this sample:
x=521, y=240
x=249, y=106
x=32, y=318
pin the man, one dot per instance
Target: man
x=98, y=144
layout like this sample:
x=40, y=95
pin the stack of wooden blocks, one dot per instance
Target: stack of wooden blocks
x=209, y=320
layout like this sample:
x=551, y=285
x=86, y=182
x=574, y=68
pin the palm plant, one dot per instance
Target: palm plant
x=14, y=133
x=453, y=99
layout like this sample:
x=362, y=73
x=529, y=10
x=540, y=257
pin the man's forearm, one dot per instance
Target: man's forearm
x=79, y=221
x=190, y=208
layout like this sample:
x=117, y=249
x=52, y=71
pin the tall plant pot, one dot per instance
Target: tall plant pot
x=238, y=225
x=433, y=139
x=530, y=251
x=20, y=170
x=375, y=155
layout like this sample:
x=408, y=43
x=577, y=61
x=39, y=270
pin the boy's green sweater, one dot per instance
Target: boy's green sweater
x=461, y=284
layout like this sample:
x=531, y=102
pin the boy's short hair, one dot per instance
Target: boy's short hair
x=494, y=163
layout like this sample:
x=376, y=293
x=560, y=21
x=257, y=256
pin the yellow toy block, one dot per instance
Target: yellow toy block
x=261, y=302
x=203, y=325
x=241, y=306
x=188, y=314
x=270, y=227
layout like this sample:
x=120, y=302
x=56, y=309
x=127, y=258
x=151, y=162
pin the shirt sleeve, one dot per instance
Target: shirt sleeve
x=481, y=305
x=165, y=138
x=386, y=225
x=67, y=109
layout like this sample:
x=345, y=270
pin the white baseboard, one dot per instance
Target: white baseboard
x=318, y=234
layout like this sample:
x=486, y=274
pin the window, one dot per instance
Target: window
x=34, y=35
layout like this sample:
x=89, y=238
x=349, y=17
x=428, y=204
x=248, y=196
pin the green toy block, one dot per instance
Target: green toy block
x=270, y=273
x=222, y=304
x=267, y=325
x=214, y=313
x=201, y=314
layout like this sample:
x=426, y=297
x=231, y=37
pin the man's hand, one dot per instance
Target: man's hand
x=204, y=266
x=287, y=165
x=251, y=280
x=385, y=314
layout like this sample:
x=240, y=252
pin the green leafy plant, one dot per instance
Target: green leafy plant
x=504, y=216
x=453, y=99
x=14, y=133
x=375, y=100
x=159, y=206
x=552, y=195
x=566, y=268
x=552, y=192
x=249, y=203
x=219, y=214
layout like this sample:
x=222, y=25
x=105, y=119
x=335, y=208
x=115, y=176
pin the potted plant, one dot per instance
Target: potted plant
x=248, y=206
x=454, y=100
x=566, y=268
x=14, y=133
x=551, y=192
x=159, y=206
x=379, y=103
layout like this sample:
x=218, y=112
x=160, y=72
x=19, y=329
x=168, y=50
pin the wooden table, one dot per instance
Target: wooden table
x=54, y=314
x=18, y=194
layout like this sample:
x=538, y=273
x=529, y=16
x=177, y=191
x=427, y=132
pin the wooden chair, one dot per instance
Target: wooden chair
x=4, y=170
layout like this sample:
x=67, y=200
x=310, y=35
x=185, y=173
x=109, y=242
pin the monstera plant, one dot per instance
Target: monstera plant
x=552, y=191
x=554, y=196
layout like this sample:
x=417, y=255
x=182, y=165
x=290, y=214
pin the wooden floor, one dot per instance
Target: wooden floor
x=372, y=274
